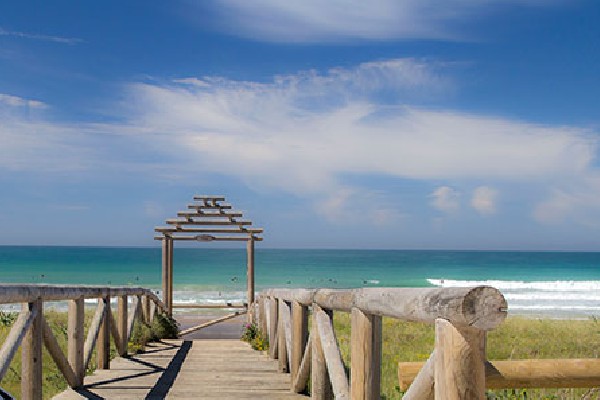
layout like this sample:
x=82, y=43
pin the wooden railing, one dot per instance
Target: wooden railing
x=31, y=330
x=455, y=369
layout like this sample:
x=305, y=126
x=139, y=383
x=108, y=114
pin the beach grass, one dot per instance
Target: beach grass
x=517, y=338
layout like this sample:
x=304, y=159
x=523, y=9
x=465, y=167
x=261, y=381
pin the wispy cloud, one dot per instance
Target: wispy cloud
x=342, y=20
x=34, y=36
x=16, y=101
x=307, y=134
x=445, y=199
x=484, y=200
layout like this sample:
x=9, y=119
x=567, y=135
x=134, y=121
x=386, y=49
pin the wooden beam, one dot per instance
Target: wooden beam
x=333, y=357
x=122, y=325
x=103, y=345
x=169, y=229
x=180, y=221
x=93, y=331
x=75, y=337
x=282, y=353
x=250, y=274
x=196, y=214
x=209, y=198
x=320, y=387
x=31, y=355
x=534, y=373
x=209, y=323
x=365, y=355
x=273, y=316
x=170, y=271
x=15, y=337
x=165, y=271
x=209, y=238
x=57, y=355
x=422, y=383
x=299, y=336
x=459, y=367
x=300, y=381
x=193, y=206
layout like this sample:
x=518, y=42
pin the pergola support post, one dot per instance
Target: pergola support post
x=250, y=278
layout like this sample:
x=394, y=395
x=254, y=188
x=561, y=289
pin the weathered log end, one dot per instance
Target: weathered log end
x=484, y=307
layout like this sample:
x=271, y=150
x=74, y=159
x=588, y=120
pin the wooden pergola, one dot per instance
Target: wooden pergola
x=207, y=219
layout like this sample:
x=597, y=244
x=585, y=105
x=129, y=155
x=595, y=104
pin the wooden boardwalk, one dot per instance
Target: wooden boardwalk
x=198, y=369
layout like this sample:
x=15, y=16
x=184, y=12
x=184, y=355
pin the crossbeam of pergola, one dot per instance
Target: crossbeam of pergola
x=207, y=219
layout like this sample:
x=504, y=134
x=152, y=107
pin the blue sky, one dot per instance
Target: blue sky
x=456, y=124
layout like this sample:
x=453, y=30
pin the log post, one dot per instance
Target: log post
x=165, y=271
x=31, y=354
x=122, y=325
x=274, y=314
x=366, y=355
x=76, y=338
x=250, y=277
x=262, y=315
x=299, y=336
x=282, y=354
x=170, y=306
x=146, y=309
x=459, y=366
x=320, y=384
x=103, y=345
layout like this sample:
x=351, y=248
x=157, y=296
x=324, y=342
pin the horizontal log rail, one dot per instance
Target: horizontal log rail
x=456, y=369
x=31, y=331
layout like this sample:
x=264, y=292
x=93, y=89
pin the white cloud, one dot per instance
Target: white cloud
x=15, y=101
x=34, y=36
x=343, y=20
x=306, y=134
x=484, y=200
x=445, y=199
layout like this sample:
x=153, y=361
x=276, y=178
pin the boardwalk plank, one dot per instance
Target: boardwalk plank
x=200, y=369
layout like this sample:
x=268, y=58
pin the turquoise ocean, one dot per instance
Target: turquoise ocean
x=557, y=284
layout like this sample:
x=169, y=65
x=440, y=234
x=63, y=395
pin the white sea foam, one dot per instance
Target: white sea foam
x=549, y=298
x=538, y=285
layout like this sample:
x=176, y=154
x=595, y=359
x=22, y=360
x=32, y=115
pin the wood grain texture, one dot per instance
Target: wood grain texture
x=300, y=380
x=320, y=387
x=299, y=336
x=282, y=352
x=31, y=355
x=122, y=325
x=422, y=388
x=15, y=338
x=365, y=355
x=333, y=357
x=459, y=362
x=57, y=355
x=103, y=343
x=75, y=338
x=513, y=374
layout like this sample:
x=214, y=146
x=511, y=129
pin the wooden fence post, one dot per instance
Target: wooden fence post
x=366, y=355
x=299, y=336
x=146, y=309
x=76, y=338
x=31, y=355
x=459, y=367
x=282, y=354
x=320, y=384
x=274, y=314
x=262, y=315
x=103, y=344
x=122, y=325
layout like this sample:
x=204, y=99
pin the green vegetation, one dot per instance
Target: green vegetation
x=516, y=338
x=53, y=382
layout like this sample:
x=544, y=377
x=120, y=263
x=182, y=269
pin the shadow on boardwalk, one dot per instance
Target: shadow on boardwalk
x=211, y=368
